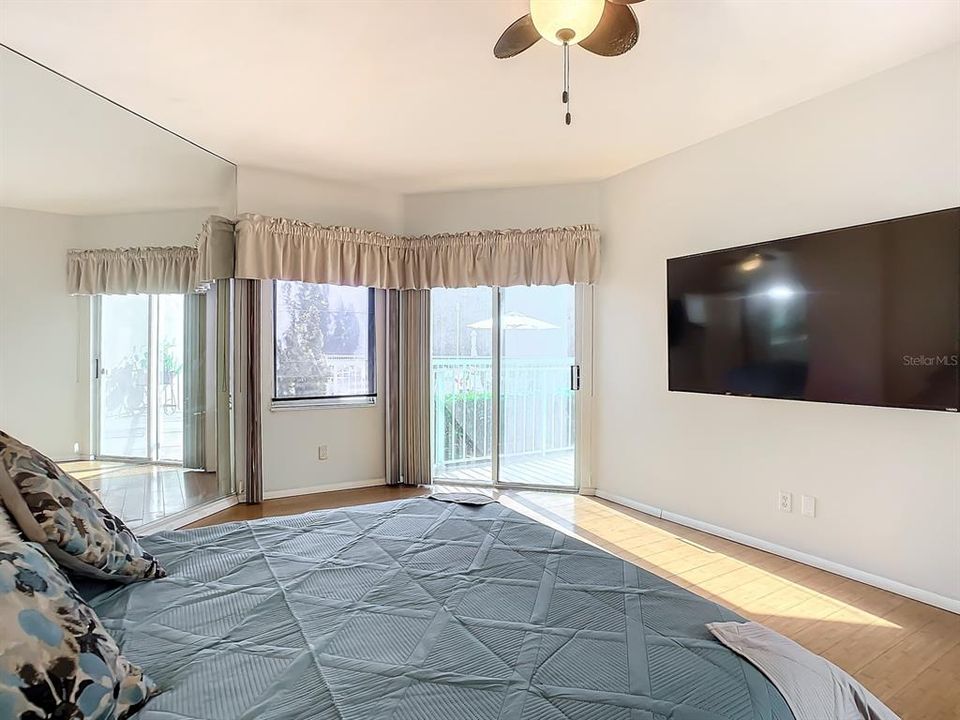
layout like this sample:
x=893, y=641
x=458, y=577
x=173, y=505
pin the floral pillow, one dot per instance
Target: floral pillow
x=56, y=510
x=56, y=658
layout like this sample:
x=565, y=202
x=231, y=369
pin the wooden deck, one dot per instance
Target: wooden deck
x=555, y=470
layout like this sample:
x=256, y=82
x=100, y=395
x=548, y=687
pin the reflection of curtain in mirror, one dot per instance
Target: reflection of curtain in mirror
x=194, y=380
x=224, y=384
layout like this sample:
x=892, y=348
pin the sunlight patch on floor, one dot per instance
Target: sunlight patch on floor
x=751, y=582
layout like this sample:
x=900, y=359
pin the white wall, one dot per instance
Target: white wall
x=40, y=370
x=354, y=436
x=887, y=480
x=302, y=197
x=158, y=229
x=525, y=207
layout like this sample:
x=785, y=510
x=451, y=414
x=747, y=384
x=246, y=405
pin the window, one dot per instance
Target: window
x=324, y=344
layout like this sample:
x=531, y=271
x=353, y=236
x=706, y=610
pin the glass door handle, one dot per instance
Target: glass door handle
x=574, y=377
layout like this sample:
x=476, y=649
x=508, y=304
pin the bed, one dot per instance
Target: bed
x=420, y=609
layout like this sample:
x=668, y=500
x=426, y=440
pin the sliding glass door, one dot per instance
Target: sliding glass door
x=538, y=368
x=170, y=367
x=505, y=376
x=140, y=377
x=124, y=377
x=461, y=372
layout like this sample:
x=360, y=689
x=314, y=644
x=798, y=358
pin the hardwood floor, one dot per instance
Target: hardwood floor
x=140, y=493
x=905, y=652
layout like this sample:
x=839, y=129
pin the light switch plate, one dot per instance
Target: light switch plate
x=322, y=452
x=808, y=505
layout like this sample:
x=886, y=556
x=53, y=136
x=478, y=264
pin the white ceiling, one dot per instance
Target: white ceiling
x=406, y=94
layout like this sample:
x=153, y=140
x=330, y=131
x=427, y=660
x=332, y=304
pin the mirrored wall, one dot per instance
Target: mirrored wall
x=130, y=393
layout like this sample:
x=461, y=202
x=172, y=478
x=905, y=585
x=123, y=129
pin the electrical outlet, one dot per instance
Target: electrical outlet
x=322, y=452
x=785, y=502
x=808, y=505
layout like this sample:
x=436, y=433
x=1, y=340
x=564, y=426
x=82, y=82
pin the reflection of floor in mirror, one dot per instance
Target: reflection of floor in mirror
x=142, y=492
x=125, y=434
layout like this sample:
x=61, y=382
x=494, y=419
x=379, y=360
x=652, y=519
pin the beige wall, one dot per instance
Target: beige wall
x=887, y=481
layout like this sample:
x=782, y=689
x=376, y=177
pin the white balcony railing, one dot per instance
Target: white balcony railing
x=535, y=400
x=536, y=403
x=342, y=375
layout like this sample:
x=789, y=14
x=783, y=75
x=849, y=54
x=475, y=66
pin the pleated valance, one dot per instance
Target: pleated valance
x=281, y=249
x=123, y=271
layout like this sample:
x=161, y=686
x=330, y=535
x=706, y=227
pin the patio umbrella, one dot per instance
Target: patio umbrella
x=514, y=321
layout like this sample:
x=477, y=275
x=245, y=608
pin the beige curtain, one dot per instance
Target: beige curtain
x=392, y=387
x=215, y=250
x=194, y=381
x=253, y=450
x=408, y=387
x=281, y=249
x=225, y=416
x=123, y=271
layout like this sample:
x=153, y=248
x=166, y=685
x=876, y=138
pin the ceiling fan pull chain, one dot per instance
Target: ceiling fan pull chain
x=565, y=94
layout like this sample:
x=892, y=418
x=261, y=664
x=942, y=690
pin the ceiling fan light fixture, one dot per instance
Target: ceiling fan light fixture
x=566, y=21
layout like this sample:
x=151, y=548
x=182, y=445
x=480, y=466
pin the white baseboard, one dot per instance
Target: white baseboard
x=72, y=458
x=185, y=517
x=588, y=491
x=894, y=586
x=292, y=492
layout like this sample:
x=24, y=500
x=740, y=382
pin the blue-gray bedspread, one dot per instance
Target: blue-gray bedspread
x=421, y=609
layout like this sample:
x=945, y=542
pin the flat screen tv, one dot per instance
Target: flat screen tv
x=866, y=315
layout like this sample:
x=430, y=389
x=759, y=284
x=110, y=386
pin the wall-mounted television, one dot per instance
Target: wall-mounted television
x=865, y=315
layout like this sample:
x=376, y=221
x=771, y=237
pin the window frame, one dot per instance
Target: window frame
x=315, y=401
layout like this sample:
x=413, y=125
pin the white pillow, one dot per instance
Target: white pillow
x=813, y=687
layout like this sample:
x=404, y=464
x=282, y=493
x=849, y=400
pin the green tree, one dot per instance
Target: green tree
x=302, y=368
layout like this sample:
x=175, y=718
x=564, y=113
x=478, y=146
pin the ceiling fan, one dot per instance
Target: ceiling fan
x=604, y=27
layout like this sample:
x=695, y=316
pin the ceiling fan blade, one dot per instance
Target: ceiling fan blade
x=624, y=2
x=617, y=32
x=518, y=37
